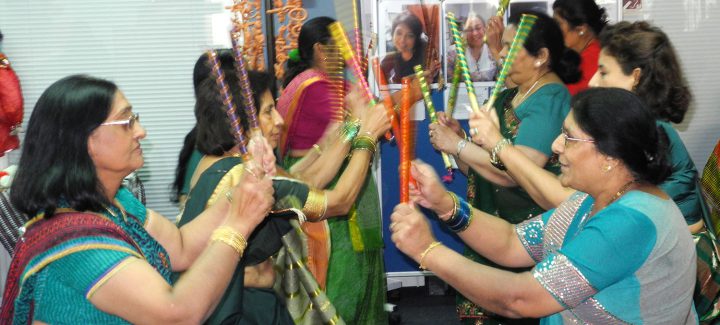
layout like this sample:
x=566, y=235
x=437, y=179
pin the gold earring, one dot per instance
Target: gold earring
x=607, y=168
x=538, y=64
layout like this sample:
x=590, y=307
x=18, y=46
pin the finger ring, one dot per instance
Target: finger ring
x=228, y=196
x=430, y=133
x=392, y=225
x=473, y=131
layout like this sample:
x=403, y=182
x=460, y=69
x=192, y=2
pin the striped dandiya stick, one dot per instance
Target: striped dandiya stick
x=523, y=30
x=502, y=7
x=454, y=86
x=430, y=107
x=387, y=99
x=244, y=81
x=358, y=37
x=335, y=67
x=462, y=61
x=338, y=34
x=229, y=105
x=405, y=142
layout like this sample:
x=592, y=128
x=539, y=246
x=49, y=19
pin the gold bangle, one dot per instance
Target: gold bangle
x=315, y=205
x=230, y=237
x=427, y=250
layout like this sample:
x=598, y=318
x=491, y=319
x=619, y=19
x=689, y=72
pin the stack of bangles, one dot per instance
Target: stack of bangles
x=460, y=216
x=349, y=130
x=364, y=142
x=231, y=237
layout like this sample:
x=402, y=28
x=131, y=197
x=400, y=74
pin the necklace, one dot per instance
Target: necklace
x=522, y=98
x=590, y=213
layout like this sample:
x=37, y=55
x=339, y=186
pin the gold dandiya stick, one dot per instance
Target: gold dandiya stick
x=338, y=34
x=502, y=7
x=335, y=67
x=462, y=61
x=430, y=107
x=526, y=24
x=454, y=86
x=405, y=143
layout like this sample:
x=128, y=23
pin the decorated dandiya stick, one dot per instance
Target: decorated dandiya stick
x=338, y=34
x=462, y=61
x=454, y=86
x=229, y=105
x=387, y=99
x=523, y=30
x=335, y=67
x=405, y=142
x=430, y=107
x=358, y=37
x=502, y=7
x=244, y=81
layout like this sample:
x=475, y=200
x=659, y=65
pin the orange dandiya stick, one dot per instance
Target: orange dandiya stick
x=387, y=99
x=405, y=142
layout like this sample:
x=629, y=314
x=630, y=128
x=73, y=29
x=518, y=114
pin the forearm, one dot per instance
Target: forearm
x=479, y=160
x=348, y=186
x=185, y=244
x=488, y=235
x=509, y=294
x=321, y=171
x=543, y=186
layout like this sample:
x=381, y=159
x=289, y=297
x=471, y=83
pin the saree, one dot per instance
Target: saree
x=513, y=204
x=240, y=305
x=344, y=253
x=630, y=263
x=84, y=246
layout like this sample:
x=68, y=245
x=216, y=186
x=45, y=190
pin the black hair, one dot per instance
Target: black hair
x=214, y=136
x=182, y=165
x=546, y=33
x=313, y=31
x=55, y=166
x=661, y=85
x=415, y=25
x=623, y=127
x=579, y=12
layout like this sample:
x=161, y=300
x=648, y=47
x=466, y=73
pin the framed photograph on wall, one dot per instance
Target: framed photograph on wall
x=519, y=6
x=472, y=16
x=408, y=35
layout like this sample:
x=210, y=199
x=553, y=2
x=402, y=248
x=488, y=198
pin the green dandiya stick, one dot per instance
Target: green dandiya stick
x=462, y=61
x=526, y=24
x=454, y=86
x=430, y=107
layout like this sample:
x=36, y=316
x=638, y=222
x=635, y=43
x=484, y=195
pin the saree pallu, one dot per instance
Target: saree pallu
x=707, y=288
x=356, y=283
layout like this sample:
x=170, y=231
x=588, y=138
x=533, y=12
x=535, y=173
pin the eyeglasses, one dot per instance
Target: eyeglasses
x=474, y=29
x=569, y=138
x=129, y=122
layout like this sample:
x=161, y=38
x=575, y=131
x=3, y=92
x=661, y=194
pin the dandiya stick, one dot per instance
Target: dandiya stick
x=454, y=86
x=430, y=107
x=502, y=7
x=244, y=81
x=405, y=142
x=338, y=34
x=387, y=99
x=462, y=61
x=358, y=36
x=229, y=105
x=524, y=28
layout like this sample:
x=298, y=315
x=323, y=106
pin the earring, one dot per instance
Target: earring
x=538, y=64
x=607, y=168
x=582, y=32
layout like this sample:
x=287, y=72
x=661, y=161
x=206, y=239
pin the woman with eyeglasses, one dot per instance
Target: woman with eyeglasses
x=481, y=65
x=640, y=58
x=614, y=252
x=92, y=253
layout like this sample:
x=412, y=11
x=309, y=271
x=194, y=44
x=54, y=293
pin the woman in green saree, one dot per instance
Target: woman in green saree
x=532, y=114
x=251, y=298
